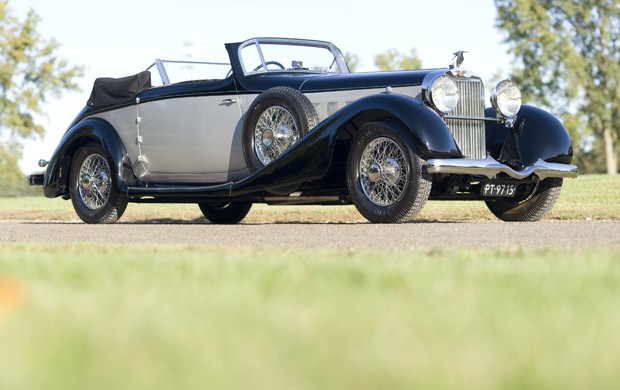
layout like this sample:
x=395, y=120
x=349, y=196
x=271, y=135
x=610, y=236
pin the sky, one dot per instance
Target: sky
x=116, y=38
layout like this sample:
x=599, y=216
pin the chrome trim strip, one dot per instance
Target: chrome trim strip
x=472, y=118
x=490, y=168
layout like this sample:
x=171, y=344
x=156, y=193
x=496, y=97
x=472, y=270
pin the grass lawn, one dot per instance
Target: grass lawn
x=102, y=317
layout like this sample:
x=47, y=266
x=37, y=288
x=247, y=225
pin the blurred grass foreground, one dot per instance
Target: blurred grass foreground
x=95, y=316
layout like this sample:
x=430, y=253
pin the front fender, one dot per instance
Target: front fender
x=310, y=158
x=95, y=130
x=542, y=137
x=425, y=131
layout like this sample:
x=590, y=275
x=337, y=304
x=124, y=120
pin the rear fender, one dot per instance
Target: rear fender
x=93, y=130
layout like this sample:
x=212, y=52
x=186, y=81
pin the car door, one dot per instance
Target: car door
x=191, y=139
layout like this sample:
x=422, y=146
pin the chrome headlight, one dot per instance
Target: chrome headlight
x=444, y=95
x=506, y=99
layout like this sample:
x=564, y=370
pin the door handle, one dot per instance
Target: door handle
x=230, y=101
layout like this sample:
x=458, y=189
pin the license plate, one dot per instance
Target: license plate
x=498, y=189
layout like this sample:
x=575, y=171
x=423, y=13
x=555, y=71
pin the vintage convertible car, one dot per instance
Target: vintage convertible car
x=286, y=122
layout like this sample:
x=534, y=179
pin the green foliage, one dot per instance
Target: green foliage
x=392, y=59
x=11, y=180
x=30, y=73
x=568, y=56
x=353, y=61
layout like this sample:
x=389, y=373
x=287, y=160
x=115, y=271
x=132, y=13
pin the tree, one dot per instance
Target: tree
x=30, y=72
x=392, y=59
x=353, y=61
x=568, y=56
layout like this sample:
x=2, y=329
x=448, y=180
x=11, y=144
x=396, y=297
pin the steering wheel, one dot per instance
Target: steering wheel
x=269, y=63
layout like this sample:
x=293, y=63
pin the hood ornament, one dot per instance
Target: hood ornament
x=459, y=57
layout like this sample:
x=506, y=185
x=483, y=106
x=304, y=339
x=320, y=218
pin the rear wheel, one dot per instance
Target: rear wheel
x=225, y=213
x=92, y=194
x=384, y=175
x=530, y=208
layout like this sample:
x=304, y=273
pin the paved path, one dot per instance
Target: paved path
x=421, y=234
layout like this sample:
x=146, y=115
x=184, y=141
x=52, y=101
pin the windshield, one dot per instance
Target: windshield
x=291, y=55
x=170, y=72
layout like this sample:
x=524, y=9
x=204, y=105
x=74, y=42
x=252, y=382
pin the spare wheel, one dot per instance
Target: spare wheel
x=277, y=119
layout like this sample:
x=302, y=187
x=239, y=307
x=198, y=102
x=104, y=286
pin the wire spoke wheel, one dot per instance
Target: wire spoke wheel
x=277, y=119
x=92, y=192
x=94, y=183
x=384, y=174
x=274, y=133
x=383, y=171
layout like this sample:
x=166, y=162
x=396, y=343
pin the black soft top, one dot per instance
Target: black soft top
x=108, y=90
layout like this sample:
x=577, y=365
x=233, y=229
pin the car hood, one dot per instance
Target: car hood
x=331, y=82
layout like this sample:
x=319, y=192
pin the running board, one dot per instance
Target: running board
x=215, y=191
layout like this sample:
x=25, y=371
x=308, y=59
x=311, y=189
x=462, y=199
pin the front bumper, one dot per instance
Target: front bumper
x=491, y=168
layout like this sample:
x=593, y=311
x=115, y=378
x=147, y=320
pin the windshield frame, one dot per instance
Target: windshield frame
x=338, y=59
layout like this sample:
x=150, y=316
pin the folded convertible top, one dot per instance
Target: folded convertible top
x=108, y=90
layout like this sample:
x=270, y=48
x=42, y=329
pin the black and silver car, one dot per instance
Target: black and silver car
x=286, y=122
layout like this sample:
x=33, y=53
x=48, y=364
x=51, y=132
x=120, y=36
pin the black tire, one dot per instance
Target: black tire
x=529, y=208
x=92, y=192
x=225, y=213
x=276, y=120
x=384, y=175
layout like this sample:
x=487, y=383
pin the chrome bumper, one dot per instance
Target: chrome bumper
x=490, y=168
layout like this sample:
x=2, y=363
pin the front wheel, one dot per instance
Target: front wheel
x=225, y=213
x=92, y=194
x=384, y=175
x=531, y=207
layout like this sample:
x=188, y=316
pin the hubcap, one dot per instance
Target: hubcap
x=274, y=133
x=95, y=182
x=383, y=171
x=267, y=138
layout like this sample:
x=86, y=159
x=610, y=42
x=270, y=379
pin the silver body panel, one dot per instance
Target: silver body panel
x=327, y=103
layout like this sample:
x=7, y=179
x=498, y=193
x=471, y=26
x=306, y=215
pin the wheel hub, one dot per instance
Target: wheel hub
x=267, y=138
x=86, y=181
x=391, y=170
x=374, y=172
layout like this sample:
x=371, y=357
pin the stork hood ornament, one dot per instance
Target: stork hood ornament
x=459, y=57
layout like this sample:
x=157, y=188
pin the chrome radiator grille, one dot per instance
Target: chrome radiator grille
x=469, y=134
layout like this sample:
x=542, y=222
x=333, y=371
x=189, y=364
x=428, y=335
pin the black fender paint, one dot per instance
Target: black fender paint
x=93, y=130
x=543, y=137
